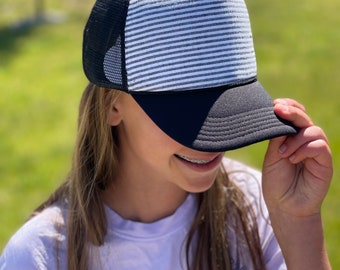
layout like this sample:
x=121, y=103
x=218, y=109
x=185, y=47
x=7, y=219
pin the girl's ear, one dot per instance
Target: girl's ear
x=114, y=117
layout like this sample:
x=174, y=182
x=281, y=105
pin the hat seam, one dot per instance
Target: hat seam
x=221, y=88
x=239, y=134
x=236, y=116
x=123, y=48
x=266, y=119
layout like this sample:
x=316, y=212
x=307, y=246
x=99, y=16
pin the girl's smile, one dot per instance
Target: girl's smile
x=201, y=164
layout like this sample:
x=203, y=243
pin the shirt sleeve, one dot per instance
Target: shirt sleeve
x=38, y=244
x=22, y=253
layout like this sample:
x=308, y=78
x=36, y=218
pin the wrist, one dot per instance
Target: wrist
x=301, y=240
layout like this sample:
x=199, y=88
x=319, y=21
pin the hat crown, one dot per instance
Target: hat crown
x=181, y=45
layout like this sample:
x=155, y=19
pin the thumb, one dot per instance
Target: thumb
x=274, y=150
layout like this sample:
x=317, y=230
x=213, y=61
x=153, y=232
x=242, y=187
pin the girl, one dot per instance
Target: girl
x=172, y=87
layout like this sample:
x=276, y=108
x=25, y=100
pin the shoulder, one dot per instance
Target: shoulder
x=247, y=178
x=35, y=244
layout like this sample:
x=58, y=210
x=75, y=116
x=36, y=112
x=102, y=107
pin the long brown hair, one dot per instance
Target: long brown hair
x=93, y=167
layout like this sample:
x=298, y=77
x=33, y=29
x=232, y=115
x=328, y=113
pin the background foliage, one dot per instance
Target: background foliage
x=297, y=45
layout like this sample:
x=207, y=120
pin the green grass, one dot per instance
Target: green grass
x=41, y=82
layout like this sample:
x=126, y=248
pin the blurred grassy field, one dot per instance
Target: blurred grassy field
x=41, y=80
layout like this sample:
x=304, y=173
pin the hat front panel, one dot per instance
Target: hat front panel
x=187, y=45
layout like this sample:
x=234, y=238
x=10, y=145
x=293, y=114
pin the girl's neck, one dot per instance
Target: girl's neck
x=143, y=203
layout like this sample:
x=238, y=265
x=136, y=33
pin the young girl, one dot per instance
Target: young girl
x=172, y=87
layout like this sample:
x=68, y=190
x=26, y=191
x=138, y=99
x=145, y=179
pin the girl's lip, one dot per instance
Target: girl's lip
x=202, y=164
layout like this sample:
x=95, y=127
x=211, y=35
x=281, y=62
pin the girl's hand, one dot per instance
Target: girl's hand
x=297, y=169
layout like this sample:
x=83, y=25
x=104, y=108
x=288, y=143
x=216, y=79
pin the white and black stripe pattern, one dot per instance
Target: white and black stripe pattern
x=187, y=45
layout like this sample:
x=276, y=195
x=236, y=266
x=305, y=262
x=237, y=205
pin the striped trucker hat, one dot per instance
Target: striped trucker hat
x=190, y=64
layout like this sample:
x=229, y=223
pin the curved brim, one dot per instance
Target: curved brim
x=216, y=120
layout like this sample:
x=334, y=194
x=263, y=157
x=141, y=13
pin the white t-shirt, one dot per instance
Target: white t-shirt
x=131, y=245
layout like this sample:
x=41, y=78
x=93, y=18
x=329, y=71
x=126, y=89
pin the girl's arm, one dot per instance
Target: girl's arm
x=297, y=171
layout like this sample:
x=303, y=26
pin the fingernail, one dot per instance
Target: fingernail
x=282, y=148
x=281, y=101
x=284, y=107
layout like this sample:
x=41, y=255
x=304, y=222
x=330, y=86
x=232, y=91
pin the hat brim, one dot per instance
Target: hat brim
x=215, y=120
